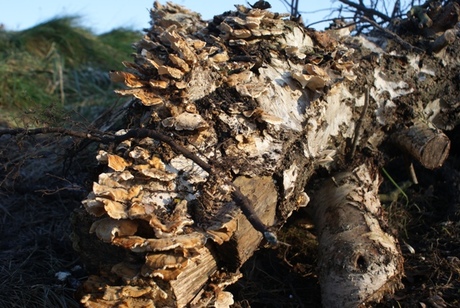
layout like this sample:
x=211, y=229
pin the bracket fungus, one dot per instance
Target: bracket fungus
x=236, y=95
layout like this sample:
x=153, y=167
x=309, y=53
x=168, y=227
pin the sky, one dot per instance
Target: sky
x=104, y=15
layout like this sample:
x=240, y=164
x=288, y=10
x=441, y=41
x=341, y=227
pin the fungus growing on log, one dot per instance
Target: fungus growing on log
x=229, y=121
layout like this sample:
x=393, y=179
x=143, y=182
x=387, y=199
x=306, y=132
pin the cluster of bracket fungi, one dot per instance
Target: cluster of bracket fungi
x=160, y=204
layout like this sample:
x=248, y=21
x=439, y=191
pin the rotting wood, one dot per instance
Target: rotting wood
x=447, y=38
x=359, y=260
x=257, y=113
x=428, y=145
x=261, y=191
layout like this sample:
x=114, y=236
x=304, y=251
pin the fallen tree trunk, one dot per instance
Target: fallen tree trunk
x=253, y=111
x=242, y=118
x=360, y=261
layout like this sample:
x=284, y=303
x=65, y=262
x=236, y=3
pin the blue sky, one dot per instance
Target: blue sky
x=103, y=15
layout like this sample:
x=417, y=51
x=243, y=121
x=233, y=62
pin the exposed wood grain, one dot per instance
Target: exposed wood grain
x=428, y=145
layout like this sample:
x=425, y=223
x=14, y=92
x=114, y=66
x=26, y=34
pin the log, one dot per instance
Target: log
x=222, y=114
x=442, y=41
x=425, y=143
x=359, y=260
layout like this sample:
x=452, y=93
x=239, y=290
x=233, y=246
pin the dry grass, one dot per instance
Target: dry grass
x=61, y=64
x=37, y=199
x=34, y=247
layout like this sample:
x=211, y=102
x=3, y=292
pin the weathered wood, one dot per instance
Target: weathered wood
x=261, y=191
x=242, y=95
x=195, y=275
x=241, y=246
x=359, y=261
x=442, y=41
x=425, y=143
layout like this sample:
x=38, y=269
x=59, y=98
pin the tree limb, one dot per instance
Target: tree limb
x=240, y=199
x=394, y=36
x=366, y=11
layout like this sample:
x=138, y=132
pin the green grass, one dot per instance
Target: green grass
x=59, y=65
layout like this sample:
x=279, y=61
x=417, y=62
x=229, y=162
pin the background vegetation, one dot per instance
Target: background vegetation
x=59, y=65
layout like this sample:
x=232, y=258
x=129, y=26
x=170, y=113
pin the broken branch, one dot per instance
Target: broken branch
x=443, y=41
x=241, y=200
x=394, y=36
x=428, y=145
x=366, y=11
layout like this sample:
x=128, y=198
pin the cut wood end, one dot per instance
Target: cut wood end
x=426, y=144
x=435, y=152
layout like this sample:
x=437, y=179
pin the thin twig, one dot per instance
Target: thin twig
x=366, y=11
x=412, y=173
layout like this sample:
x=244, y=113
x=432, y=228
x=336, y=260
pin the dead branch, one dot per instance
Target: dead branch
x=428, y=145
x=443, y=41
x=367, y=12
x=107, y=137
x=394, y=36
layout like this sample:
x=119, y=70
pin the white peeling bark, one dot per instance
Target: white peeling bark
x=264, y=127
x=359, y=261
